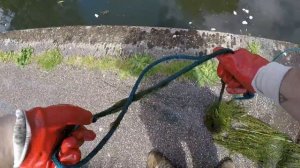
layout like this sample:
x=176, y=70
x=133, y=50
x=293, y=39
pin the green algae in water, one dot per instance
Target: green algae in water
x=242, y=133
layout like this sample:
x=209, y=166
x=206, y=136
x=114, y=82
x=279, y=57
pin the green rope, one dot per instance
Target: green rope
x=125, y=103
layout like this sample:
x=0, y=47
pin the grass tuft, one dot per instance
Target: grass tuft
x=242, y=133
x=204, y=74
x=24, y=58
x=9, y=56
x=50, y=59
x=254, y=47
x=132, y=66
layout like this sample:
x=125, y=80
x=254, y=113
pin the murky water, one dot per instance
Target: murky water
x=278, y=19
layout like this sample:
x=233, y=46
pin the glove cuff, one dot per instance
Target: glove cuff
x=267, y=80
x=21, y=138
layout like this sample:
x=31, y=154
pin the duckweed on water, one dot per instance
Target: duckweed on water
x=242, y=133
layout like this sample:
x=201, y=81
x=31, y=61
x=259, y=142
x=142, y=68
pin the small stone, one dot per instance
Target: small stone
x=96, y=15
x=213, y=29
x=234, y=12
x=250, y=17
x=100, y=129
x=244, y=22
x=174, y=36
x=190, y=23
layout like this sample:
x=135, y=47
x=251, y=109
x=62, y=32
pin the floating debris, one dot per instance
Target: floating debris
x=244, y=22
x=213, y=29
x=250, y=17
x=96, y=15
x=234, y=12
x=104, y=12
x=245, y=10
x=60, y=2
x=285, y=54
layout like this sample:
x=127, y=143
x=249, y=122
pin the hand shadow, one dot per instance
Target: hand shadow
x=173, y=118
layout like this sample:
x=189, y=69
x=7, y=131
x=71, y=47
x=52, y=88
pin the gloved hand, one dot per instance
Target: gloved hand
x=238, y=70
x=47, y=127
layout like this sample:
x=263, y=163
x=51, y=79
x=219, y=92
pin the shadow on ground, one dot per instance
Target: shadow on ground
x=173, y=118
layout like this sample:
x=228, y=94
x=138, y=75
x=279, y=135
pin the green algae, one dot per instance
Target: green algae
x=239, y=132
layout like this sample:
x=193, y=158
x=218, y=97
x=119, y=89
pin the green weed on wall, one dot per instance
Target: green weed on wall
x=254, y=47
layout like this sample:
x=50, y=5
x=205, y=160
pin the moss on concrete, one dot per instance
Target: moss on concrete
x=9, y=56
x=22, y=58
x=49, y=59
x=132, y=66
x=242, y=133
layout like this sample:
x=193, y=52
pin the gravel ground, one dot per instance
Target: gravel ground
x=170, y=120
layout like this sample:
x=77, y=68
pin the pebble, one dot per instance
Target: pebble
x=213, y=29
x=190, y=23
x=234, y=12
x=96, y=15
x=250, y=17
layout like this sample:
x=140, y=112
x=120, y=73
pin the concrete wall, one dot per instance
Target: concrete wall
x=122, y=40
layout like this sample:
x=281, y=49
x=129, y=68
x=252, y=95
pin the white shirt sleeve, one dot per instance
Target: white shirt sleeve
x=268, y=79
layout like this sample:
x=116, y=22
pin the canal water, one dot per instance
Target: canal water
x=277, y=19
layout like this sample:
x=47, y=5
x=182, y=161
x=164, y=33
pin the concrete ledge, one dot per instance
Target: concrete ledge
x=122, y=40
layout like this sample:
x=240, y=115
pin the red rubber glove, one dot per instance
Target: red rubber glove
x=238, y=70
x=47, y=131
